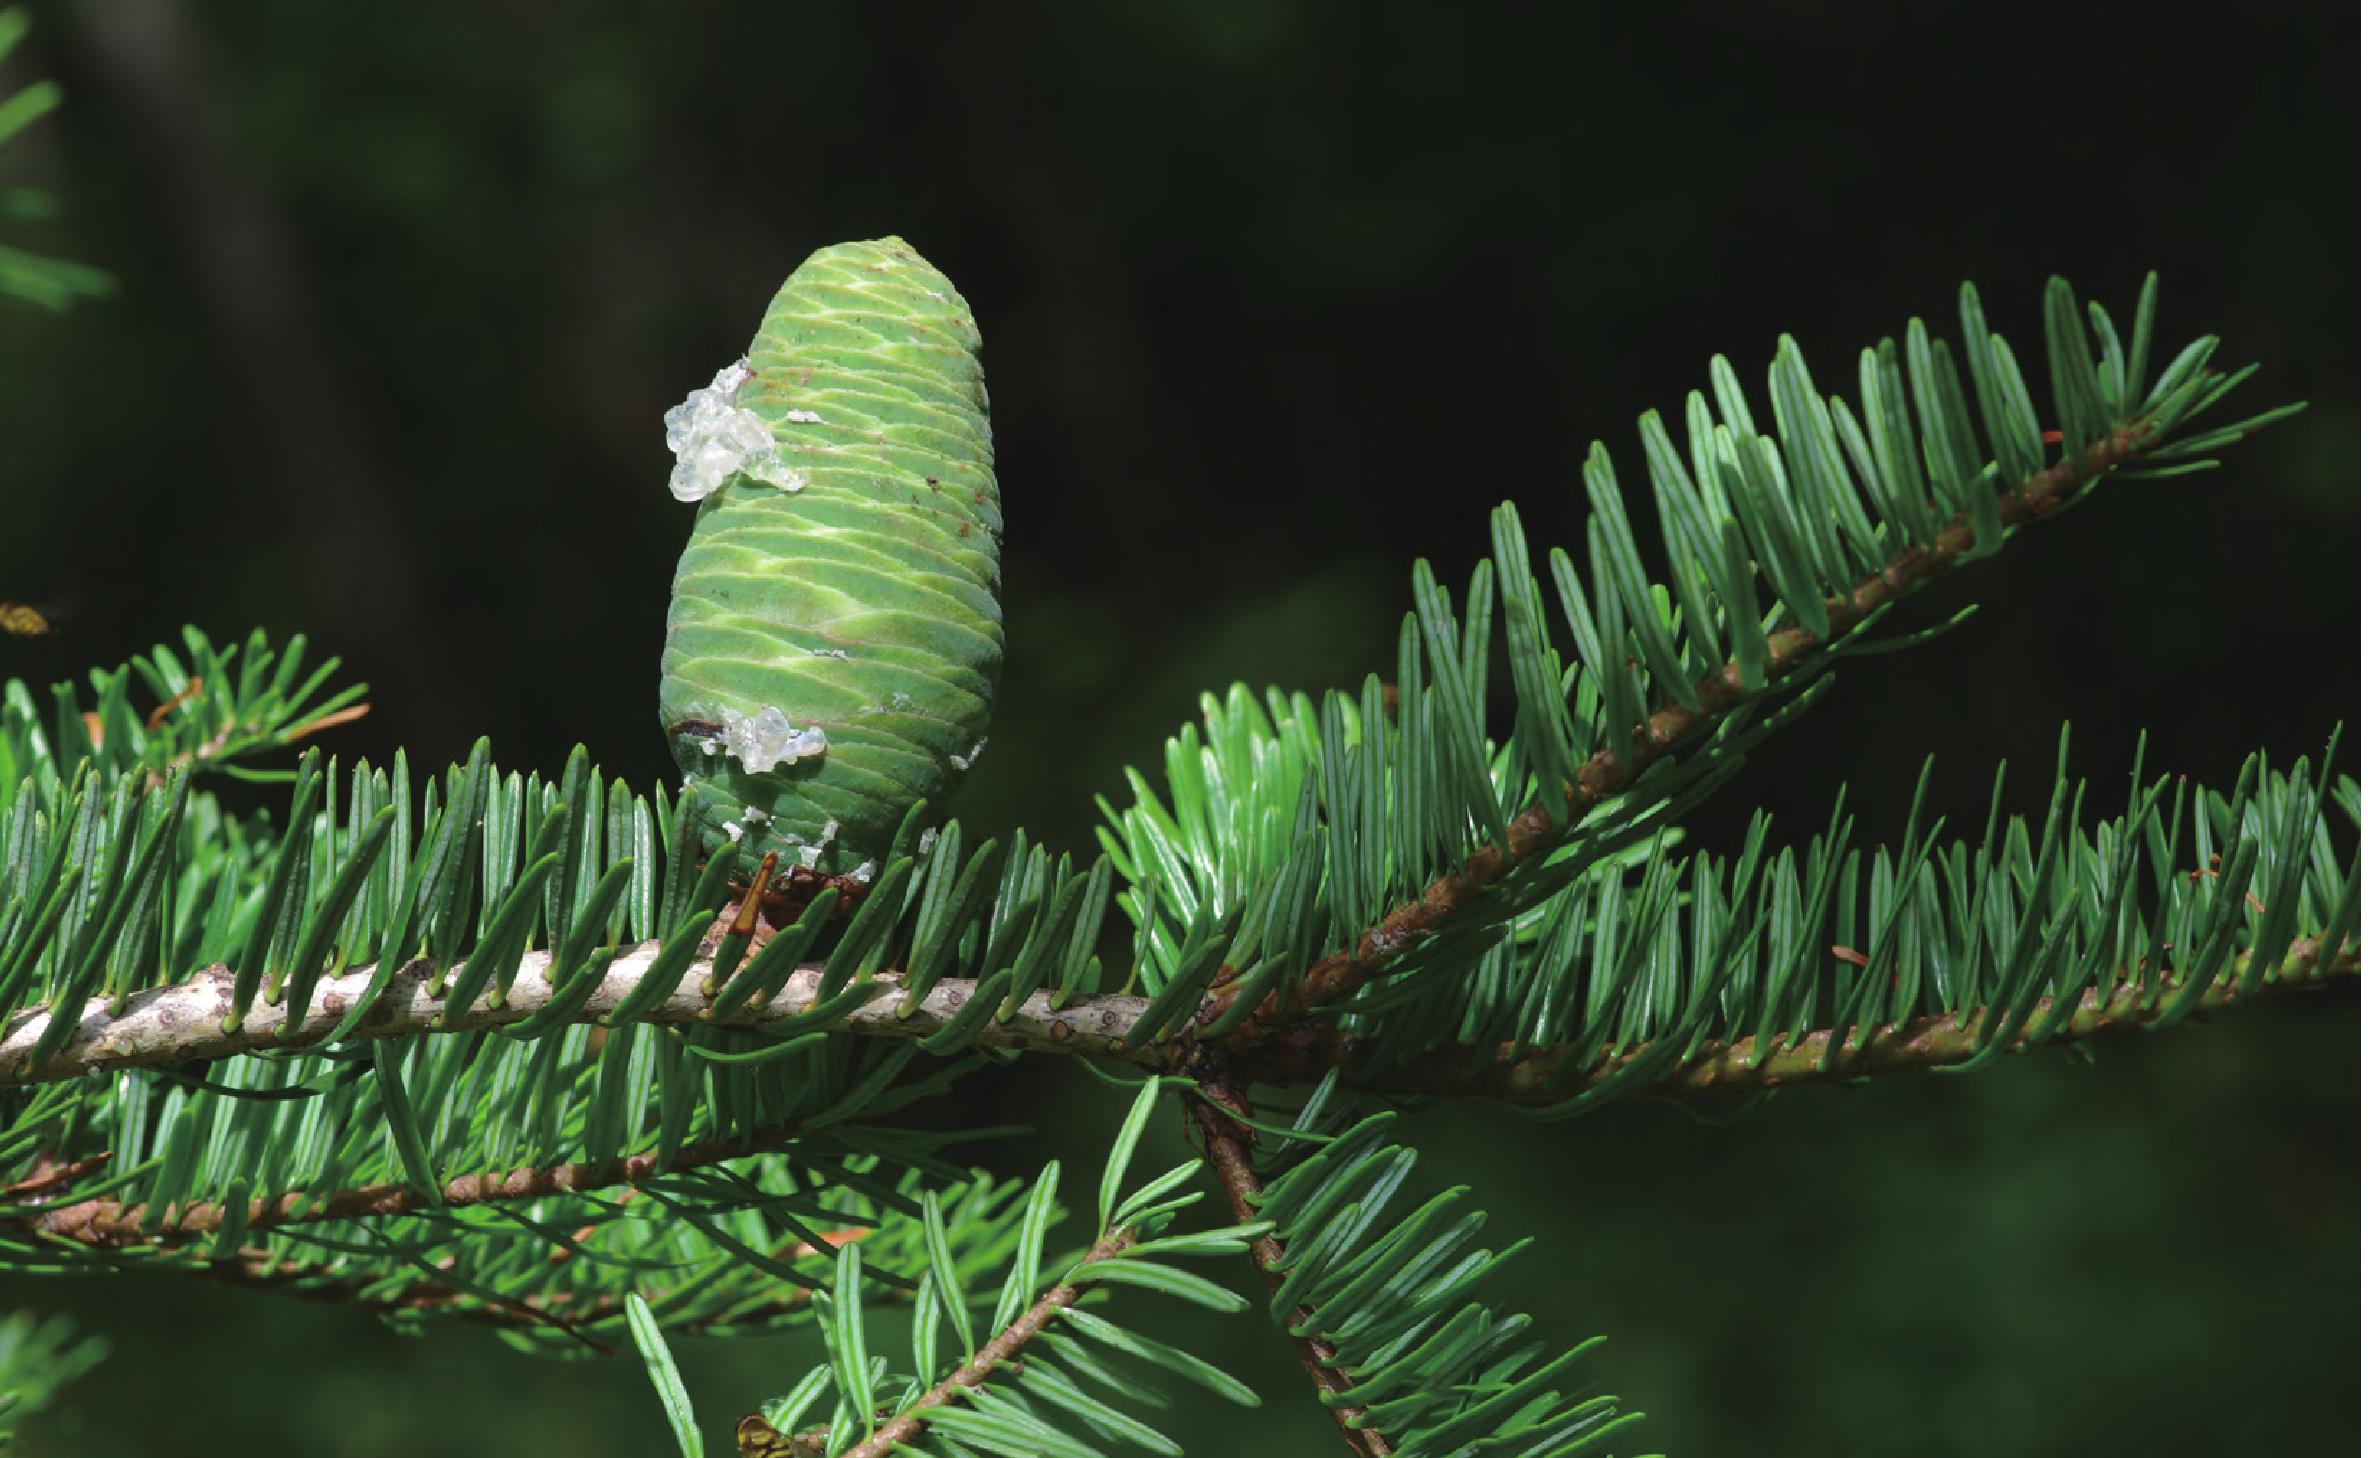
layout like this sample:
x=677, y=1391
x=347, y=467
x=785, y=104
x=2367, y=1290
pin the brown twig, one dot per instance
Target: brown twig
x=1002, y=1347
x=1226, y=1145
x=346, y=715
x=1935, y=1041
x=257, y=1270
x=198, y=753
x=1535, y=830
x=261, y=1270
x=107, y=1222
x=189, y=690
x=47, y=1175
x=226, y=739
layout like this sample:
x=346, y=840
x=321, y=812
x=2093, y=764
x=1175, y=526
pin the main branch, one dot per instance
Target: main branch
x=184, y=1022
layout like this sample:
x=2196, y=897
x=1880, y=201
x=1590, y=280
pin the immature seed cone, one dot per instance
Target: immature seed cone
x=848, y=580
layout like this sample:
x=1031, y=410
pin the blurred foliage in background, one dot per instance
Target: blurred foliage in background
x=1276, y=298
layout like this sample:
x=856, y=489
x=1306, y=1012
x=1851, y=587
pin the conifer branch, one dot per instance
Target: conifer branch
x=184, y=1022
x=1226, y=1144
x=262, y=1270
x=107, y=1222
x=1918, y=1044
x=256, y=1270
x=1536, y=830
x=1004, y=1346
x=1342, y=953
x=180, y=1024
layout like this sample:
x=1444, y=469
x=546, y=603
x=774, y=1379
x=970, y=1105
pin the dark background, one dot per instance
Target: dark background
x=1277, y=298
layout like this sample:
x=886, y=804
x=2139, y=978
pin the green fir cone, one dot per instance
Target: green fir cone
x=835, y=633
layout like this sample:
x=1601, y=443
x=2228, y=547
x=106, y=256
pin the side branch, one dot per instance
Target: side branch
x=1936, y=1041
x=255, y=1270
x=1005, y=1346
x=1226, y=1145
x=106, y=1222
x=1534, y=830
x=262, y=1270
x=184, y=1022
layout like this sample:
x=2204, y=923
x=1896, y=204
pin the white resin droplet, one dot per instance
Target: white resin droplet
x=713, y=439
x=767, y=738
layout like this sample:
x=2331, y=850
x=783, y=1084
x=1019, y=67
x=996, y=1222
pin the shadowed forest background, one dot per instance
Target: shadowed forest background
x=1276, y=299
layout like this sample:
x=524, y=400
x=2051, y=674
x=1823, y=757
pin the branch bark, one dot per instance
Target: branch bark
x=184, y=1022
x=1227, y=1147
